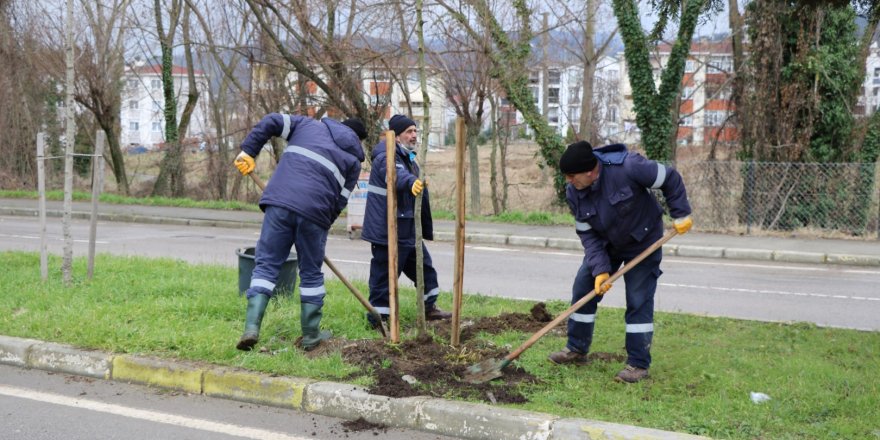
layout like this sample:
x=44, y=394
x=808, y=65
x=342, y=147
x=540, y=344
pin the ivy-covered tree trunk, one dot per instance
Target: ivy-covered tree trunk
x=171, y=171
x=509, y=69
x=656, y=116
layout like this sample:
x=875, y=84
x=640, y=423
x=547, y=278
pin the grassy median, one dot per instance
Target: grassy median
x=822, y=382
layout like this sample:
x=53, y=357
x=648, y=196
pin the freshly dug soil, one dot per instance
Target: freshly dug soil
x=424, y=366
x=429, y=366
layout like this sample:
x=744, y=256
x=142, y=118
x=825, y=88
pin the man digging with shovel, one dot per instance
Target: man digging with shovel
x=616, y=218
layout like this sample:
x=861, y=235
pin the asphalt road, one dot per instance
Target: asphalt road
x=828, y=295
x=39, y=405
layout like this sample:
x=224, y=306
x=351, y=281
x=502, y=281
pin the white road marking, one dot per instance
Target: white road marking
x=491, y=249
x=152, y=416
x=336, y=260
x=832, y=268
x=772, y=292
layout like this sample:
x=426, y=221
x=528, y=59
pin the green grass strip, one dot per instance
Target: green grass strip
x=80, y=196
x=822, y=382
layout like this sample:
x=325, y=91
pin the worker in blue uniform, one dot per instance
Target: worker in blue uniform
x=617, y=217
x=375, y=231
x=309, y=188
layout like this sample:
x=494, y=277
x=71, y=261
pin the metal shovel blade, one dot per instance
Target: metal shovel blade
x=485, y=371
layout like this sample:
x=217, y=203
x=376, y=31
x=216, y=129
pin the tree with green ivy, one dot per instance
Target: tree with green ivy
x=656, y=107
x=509, y=58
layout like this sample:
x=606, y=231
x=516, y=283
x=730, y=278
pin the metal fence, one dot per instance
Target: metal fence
x=735, y=196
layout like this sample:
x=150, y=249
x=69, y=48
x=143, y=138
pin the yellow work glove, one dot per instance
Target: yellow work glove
x=683, y=224
x=600, y=288
x=417, y=187
x=245, y=163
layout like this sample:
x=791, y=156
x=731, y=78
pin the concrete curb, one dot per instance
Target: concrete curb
x=437, y=416
x=569, y=244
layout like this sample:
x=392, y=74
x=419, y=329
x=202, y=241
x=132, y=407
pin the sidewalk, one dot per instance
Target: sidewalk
x=692, y=244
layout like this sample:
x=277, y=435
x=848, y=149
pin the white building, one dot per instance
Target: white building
x=564, y=85
x=869, y=100
x=382, y=91
x=143, y=103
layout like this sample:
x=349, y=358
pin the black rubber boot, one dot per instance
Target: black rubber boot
x=256, y=308
x=310, y=319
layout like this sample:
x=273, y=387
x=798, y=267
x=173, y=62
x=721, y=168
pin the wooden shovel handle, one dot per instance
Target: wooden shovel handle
x=257, y=180
x=564, y=315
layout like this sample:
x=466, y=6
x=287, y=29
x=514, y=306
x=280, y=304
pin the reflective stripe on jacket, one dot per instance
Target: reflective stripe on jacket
x=318, y=169
x=618, y=215
x=375, y=217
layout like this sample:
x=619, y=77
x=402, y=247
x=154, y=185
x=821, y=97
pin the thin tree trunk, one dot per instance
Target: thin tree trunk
x=423, y=153
x=493, y=157
x=585, y=127
x=473, y=130
x=69, y=134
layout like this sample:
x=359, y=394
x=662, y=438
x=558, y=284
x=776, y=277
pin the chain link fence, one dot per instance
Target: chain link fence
x=750, y=197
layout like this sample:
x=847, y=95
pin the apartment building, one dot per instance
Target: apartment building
x=705, y=106
x=382, y=89
x=389, y=97
x=562, y=81
x=143, y=103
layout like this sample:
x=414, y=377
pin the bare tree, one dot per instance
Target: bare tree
x=509, y=57
x=172, y=172
x=465, y=70
x=23, y=94
x=100, y=69
x=580, y=25
x=227, y=36
x=307, y=40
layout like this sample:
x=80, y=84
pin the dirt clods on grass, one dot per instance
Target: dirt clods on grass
x=537, y=318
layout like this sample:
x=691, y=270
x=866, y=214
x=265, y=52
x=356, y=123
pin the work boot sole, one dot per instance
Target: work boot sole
x=621, y=379
x=246, y=343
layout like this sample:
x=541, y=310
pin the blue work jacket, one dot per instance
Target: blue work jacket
x=318, y=169
x=375, y=218
x=618, y=215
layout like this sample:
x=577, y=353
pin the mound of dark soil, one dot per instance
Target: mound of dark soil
x=424, y=366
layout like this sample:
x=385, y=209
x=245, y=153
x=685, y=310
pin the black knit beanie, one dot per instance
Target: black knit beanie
x=578, y=157
x=357, y=126
x=399, y=123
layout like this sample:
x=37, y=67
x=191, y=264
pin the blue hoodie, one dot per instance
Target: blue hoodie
x=375, y=218
x=319, y=167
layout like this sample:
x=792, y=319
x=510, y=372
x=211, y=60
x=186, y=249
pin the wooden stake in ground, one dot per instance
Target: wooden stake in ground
x=41, y=189
x=97, y=187
x=458, y=277
x=390, y=184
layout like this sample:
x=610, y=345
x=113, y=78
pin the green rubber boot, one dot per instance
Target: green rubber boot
x=310, y=319
x=255, y=310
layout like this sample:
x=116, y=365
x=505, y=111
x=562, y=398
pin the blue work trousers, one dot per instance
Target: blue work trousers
x=406, y=263
x=283, y=228
x=641, y=284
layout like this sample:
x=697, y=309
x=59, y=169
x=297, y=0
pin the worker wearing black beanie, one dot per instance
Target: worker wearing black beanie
x=399, y=123
x=577, y=158
x=610, y=193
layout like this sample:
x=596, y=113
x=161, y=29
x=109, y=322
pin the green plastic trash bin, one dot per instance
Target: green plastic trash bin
x=246, y=264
